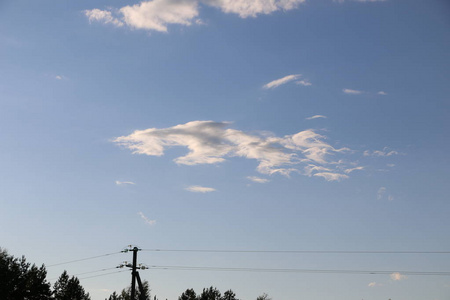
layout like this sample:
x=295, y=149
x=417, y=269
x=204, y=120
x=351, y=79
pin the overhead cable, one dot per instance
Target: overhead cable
x=299, y=251
x=82, y=259
x=103, y=274
x=367, y=272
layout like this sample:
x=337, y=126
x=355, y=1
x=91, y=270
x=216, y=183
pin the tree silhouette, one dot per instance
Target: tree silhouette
x=19, y=280
x=211, y=293
x=189, y=294
x=264, y=296
x=229, y=295
x=125, y=294
x=66, y=288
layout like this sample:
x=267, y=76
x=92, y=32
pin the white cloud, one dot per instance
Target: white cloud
x=380, y=153
x=252, y=8
x=391, y=198
x=352, y=92
x=124, y=182
x=304, y=82
x=380, y=193
x=146, y=220
x=382, y=93
x=59, y=77
x=158, y=14
x=199, y=189
x=331, y=176
x=103, y=16
x=348, y=171
x=390, y=165
x=374, y=284
x=212, y=142
x=258, y=179
x=281, y=81
x=396, y=276
x=316, y=117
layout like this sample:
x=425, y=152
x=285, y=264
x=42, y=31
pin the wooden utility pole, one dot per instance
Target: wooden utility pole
x=134, y=273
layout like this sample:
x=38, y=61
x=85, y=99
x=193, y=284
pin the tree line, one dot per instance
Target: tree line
x=21, y=280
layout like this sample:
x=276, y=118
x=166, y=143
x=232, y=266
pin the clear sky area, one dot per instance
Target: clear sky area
x=305, y=141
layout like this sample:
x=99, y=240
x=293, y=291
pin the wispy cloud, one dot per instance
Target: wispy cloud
x=146, y=220
x=380, y=153
x=331, y=176
x=396, y=276
x=382, y=93
x=212, y=142
x=157, y=15
x=258, y=179
x=374, y=284
x=316, y=117
x=102, y=16
x=199, y=189
x=59, y=77
x=276, y=83
x=352, y=92
x=124, y=182
x=380, y=193
x=348, y=171
x=304, y=82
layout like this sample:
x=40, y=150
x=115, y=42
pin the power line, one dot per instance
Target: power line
x=366, y=272
x=82, y=259
x=103, y=274
x=298, y=251
x=90, y=272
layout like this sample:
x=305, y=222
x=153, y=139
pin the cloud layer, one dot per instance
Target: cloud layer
x=209, y=142
x=158, y=14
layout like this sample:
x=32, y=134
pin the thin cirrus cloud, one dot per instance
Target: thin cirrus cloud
x=157, y=15
x=348, y=171
x=124, y=182
x=381, y=153
x=200, y=189
x=209, y=142
x=380, y=193
x=316, y=117
x=374, y=284
x=304, y=82
x=277, y=82
x=258, y=179
x=146, y=220
x=352, y=92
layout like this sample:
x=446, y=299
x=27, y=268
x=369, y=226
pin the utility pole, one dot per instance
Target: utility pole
x=134, y=273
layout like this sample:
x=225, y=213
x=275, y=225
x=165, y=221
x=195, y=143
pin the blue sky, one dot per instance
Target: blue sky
x=229, y=125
